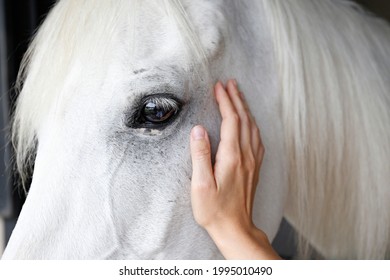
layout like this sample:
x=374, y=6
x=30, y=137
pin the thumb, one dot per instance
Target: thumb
x=202, y=170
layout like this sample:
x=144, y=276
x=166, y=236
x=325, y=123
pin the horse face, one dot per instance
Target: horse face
x=112, y=172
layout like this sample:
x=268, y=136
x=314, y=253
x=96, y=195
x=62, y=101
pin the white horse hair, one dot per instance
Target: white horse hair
x=334, y=71
x=83, y=28
x=332, y=101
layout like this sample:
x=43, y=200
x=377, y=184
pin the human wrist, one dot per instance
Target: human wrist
x=232, y=239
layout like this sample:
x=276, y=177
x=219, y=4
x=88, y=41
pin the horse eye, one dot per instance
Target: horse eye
x=156, y=113
x=157, y=110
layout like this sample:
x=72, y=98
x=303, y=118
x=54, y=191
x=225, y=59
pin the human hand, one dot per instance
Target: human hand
x=222, y=198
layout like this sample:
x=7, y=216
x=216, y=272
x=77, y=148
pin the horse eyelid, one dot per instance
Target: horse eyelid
x=164, y=102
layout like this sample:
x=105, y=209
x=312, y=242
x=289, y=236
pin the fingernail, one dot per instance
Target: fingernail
x=218, y=87
x=219, y=84
x=235, y=82
x=198, y=133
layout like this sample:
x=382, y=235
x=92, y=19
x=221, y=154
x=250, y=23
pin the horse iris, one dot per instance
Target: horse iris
x=156, y=114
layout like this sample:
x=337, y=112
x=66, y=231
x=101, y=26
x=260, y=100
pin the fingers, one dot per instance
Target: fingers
x=240, y=136
x=247, y=119
x=247, y=136
x=237, y=120
x=243, y=112
x=230, y=126
x=202, y=170
x=222, y=190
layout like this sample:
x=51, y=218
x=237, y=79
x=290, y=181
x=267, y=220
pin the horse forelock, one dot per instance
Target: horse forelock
x=64, y=40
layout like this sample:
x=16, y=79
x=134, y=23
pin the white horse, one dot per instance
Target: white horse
x=111, y=89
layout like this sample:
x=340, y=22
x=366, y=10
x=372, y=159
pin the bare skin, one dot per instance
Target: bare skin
x=222, y=196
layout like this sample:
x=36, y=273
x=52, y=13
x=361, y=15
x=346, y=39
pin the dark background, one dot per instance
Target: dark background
x=18, y=21
x=378, y=7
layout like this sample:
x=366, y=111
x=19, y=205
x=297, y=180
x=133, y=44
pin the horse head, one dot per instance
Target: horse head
x=110, y=93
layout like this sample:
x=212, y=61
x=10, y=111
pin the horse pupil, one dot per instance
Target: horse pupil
x=154, y=113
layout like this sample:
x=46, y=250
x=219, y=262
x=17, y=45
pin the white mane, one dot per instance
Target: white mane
x=334, y=65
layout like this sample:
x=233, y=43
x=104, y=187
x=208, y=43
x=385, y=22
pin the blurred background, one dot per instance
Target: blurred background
x=18, y=21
